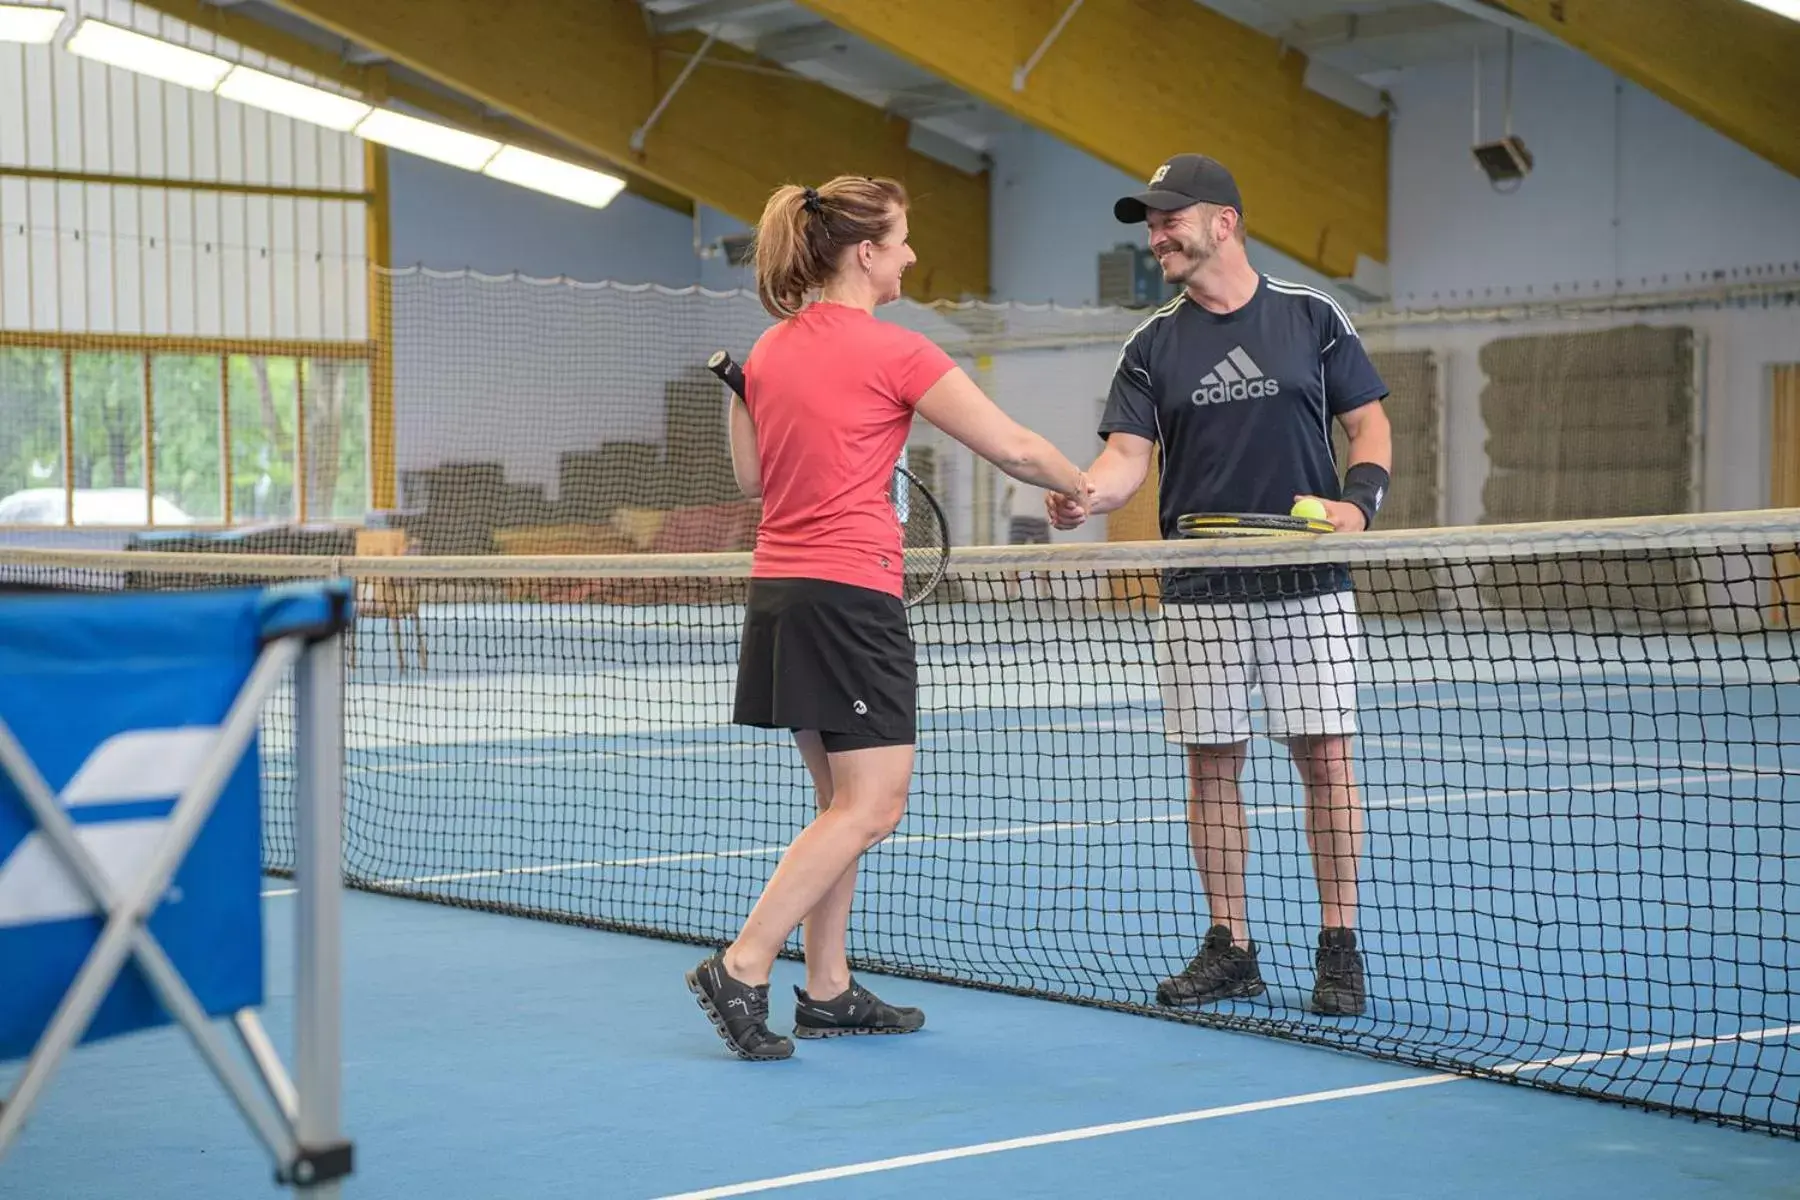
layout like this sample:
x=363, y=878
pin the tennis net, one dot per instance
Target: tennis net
x=1577, y=749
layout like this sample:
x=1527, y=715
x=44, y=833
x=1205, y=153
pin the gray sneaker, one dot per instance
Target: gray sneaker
x=1221, y=971
x=738, y=1010
x=858, y=1011
x=1338, y=991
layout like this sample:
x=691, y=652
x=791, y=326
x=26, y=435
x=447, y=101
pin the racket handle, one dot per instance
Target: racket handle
x=722, y=365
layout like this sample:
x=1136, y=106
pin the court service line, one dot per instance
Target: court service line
x=710, y=749
x=1563, y=758
x=695, y=749
x=706, y=749
x=1090, y=1132
x=1036, y=828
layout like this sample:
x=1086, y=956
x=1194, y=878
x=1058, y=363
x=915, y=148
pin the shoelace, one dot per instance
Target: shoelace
x=1209, y=961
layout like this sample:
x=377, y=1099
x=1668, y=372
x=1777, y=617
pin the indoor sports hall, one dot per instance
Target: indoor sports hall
x=375, y=578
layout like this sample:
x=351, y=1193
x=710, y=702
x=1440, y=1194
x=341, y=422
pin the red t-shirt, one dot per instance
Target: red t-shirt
x=831, y=392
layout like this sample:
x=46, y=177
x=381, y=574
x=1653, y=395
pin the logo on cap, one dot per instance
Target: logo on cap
x=1160, y=172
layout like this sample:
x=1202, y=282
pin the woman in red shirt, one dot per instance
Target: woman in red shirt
x=830, y=393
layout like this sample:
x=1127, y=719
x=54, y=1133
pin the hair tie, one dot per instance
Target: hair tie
x=811, y=200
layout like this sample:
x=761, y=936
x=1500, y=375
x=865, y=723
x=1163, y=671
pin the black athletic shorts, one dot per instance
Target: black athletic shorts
x=829, y=657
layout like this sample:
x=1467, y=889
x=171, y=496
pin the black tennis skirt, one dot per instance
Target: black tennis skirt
x=830, y=657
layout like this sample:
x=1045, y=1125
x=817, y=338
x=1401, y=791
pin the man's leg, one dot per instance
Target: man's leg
x=1226, y=966
x=1334, y=821
x=1312, y=646
x=1218, y=833
x=1205, y=678
x=1334, y=830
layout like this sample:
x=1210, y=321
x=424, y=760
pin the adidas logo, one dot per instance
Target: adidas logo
x=1237, y=377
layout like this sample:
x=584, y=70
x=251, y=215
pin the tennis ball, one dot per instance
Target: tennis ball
x=1308, y=509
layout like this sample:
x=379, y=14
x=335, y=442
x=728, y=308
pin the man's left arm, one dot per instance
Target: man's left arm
x=1371, y=456
x=1353, y=394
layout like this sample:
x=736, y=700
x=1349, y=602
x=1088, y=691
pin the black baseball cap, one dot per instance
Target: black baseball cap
x=1184, y=180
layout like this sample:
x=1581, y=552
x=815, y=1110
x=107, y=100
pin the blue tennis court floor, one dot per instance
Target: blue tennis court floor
x=1539, y=886
x=1540, y=852
x=489, y=1056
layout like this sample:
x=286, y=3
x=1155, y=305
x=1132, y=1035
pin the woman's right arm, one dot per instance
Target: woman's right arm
x=961, y=409
x=746, y=463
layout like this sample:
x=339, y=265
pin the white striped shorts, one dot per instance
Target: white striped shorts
x=1301, y=653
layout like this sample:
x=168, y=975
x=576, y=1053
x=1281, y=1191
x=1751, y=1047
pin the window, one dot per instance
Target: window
x=336, y=403
x=31, y=418
x=189, y=467
x=264, y=400
x=108, y=441
x=217, y=437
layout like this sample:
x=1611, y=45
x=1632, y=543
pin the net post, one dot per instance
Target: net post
x=318, y=1042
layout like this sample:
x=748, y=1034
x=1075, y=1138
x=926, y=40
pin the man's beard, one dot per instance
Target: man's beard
x=1189, y=258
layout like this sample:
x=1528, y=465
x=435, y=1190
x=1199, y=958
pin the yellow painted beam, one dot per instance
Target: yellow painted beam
x=216, y=186
x=1733, y=65
x=373, y=83
x=589, y=72
x=383, y=478
x=1133, y=81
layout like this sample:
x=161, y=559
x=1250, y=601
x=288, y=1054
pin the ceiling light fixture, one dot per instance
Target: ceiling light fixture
x=119, y=47
x=300, y=101
x=554, y=177
x=427, y=139
x=28, y=23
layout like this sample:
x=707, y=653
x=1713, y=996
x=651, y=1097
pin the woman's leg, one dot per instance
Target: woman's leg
x=833, y=1004
x=827, y=926
x=868, y=798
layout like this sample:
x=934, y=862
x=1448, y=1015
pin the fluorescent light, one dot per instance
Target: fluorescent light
x=314, y=105
x=1787, y=8
x=566, y=180
x=427, y=139
x=118, y=47
x=28, y=23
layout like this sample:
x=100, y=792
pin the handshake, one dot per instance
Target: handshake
x=1068, y=510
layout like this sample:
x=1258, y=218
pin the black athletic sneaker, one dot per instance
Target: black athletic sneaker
x=738, y=1011
x=1219, y=972
x=1339, y=989
x=858, y=1011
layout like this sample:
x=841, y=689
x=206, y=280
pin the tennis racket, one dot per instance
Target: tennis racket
x=925, y=534
x=1240, y=525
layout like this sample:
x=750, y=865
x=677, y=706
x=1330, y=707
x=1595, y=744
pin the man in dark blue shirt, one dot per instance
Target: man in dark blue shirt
x=1236, y=382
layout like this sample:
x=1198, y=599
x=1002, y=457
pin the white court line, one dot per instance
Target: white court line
x=707, y=749
x=1486, y=702
x=1587, y=692
x=279, y=891
x=1089, y=1132
x=651, y=860
x=1599, y=685
x=1616, y=785
x=711, y=749
x=1037, y=828
x=1564, y=758
x=701, y=749
x=1773, y=1033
